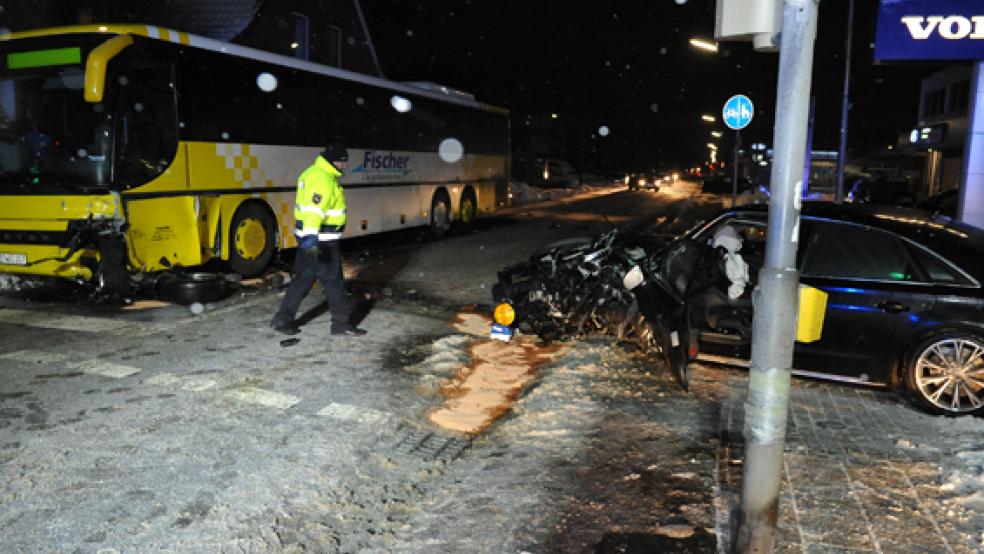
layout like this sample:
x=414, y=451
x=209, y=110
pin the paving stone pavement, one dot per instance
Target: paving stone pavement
x=864, y=471
x=594, y=456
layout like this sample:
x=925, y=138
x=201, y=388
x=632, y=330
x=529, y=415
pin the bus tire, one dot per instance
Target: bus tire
x=467, y=211
x=440, y=215
x=251, y=240
x=188, y=288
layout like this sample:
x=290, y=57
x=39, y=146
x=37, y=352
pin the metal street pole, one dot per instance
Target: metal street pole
x=845, y=104
x=774, y=326
x=734, y=170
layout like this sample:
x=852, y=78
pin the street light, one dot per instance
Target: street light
x=716, y=134
x=705, y=45
x=712, y=152
x=708, y=118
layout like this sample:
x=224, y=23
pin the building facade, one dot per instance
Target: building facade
x=941, y=127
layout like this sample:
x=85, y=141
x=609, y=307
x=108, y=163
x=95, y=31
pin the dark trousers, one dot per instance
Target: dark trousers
x=323, y=263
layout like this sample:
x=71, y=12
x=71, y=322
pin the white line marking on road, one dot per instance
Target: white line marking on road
x=197, y=384
x=347, y=412
x=262, y=397
x=86, y=324
x=106, y=369
x=191, y=384
x=34, y=356
x=163, y=379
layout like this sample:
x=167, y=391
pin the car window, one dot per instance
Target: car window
x=848, y=251
x=751, y=228
x=936, y=269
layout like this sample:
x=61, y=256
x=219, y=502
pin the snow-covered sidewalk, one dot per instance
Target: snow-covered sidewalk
x=864, y=470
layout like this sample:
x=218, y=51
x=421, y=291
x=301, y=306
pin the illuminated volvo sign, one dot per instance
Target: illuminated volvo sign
x=930, y=30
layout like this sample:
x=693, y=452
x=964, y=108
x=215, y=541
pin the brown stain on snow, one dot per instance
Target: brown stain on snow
x=141, y=305
x=491, y=383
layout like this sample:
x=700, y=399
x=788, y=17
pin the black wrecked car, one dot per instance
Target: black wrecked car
x=571, y=289
x=905, y=307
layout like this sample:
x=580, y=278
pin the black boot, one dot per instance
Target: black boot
x=285, y=327
x=347, y=329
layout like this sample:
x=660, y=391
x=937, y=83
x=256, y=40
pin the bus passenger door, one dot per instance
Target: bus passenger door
x=149, y=168
x=146, y=137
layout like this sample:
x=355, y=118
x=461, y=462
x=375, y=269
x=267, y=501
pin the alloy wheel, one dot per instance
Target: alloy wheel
x=949, y=375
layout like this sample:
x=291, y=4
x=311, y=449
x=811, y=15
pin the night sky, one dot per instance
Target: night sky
x=627, y=64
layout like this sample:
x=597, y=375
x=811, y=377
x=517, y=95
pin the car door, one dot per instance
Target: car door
x=877, y=292
x=721, y=326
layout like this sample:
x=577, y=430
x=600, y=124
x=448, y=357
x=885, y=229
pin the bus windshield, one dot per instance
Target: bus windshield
x=50, y=137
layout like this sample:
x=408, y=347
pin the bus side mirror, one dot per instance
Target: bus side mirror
x=96, y=64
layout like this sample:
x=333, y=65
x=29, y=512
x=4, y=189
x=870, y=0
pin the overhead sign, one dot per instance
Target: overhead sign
x=758, y=21
x=930, y=135
x=930, y=30
x=738, y=112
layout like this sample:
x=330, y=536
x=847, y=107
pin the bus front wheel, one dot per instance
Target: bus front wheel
x=251, y=238
x=440, y=215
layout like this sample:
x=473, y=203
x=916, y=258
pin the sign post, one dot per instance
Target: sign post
x=737, y=114
x=776, y=296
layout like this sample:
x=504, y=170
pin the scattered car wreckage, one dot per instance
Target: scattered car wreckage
x=612, y=285
x=572, y=289
x=578, y=288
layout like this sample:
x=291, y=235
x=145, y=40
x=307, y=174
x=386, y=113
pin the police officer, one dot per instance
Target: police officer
x=320, y=214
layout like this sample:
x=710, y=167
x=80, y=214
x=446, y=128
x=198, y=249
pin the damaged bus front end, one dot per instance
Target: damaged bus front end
x=76, y=132
x=72, y=236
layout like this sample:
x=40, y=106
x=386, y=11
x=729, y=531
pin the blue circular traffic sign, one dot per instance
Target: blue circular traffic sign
x=738, y=112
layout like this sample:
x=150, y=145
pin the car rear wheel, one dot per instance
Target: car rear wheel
x=945, y=374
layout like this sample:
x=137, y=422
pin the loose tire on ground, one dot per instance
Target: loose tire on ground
x=251, y=238
x=188, y=288
x=945, y=374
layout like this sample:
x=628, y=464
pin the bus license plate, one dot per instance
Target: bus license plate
x=13, y=259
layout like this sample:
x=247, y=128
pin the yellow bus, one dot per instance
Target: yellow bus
x=134, y=149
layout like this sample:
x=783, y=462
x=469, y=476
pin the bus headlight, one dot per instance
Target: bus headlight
x=504, y=314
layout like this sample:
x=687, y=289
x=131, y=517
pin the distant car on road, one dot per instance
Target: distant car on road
x=643, y=180
x=905, y=301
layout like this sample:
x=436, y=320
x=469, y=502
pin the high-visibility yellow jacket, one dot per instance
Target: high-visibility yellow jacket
x=320, y=205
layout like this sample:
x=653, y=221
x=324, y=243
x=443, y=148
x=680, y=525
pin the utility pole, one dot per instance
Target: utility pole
x=845, y=106
x=774, y=325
